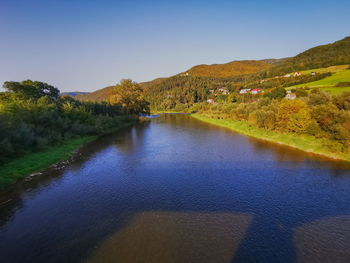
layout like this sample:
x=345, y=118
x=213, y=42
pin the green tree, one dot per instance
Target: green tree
x=293, y=116
x=129, y=95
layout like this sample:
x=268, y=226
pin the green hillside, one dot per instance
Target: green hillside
x=337, y=83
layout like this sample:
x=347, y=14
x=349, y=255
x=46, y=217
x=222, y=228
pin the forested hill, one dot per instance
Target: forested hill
x=337, y=53
x=231, y=69
x=195, y=84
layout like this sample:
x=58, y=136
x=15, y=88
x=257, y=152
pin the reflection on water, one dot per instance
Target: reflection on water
x=175, y=237
x=174, y=190
x=324, y=240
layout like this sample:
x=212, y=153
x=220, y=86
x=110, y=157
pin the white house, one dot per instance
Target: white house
x=291, y=96
x=243, y=91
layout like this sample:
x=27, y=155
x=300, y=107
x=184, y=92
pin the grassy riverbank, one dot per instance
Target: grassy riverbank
x=302, y=142
x=21, y=167
x=37, y=161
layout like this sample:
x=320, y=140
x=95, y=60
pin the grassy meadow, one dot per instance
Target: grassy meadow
x=339, y=74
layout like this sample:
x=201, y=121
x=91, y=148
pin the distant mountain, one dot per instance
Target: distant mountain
x=74, y=93
x=228, y=70
x=103, y=94
x=98, y=95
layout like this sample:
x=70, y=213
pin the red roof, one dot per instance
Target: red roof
x=256, y=89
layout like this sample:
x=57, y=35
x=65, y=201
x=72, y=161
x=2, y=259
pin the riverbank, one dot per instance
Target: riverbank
x=302, y=142
x=38, y=161
x=34, y=162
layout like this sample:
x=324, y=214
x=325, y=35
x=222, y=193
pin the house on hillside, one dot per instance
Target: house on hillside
x=224, y=90
x=291, y=96
x=256, y=91
x=211, y=101
x=313, y=73
x=243, y=91
x=297, y=74
x=287, y=75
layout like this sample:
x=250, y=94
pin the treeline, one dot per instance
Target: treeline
x=33, y=116
x=319, y=114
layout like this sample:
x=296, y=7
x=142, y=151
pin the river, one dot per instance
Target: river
x=179, y=190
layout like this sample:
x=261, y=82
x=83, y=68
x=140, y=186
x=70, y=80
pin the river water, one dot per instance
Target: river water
x=179, y=190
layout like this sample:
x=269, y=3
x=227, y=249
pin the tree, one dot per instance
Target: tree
x=31, y=89
x=277, y=93
x=293, y=116
x=129, y=95
x=318, y=97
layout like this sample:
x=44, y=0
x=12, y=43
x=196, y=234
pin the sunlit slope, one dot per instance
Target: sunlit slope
x=231, y=69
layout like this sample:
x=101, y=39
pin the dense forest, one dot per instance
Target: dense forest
x=33, y=115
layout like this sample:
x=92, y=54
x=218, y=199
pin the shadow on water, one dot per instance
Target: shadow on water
x=180, y=190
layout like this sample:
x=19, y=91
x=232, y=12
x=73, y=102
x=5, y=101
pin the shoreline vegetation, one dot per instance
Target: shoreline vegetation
x=306, y=143
x=35, y=162
x=39, y=127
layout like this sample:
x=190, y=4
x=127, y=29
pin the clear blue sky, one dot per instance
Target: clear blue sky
x=88, y=44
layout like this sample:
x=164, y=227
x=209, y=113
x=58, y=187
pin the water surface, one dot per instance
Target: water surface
x=179, y=190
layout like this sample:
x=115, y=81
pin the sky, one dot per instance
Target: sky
x=85, y=45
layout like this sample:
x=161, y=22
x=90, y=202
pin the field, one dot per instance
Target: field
x=340, y=74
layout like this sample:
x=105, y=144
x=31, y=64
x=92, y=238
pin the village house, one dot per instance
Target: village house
x=287, y=75
x=297, y=74
x=211, y=91
x=290, y=95
x=313, y=73
x=211, y=101
x=224, y=90
x=256, y=91
x=243, y=91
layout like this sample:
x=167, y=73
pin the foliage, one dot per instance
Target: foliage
x=33, y=116
x=129, y=95
x=30, y=163
x=276, y=93
x=320, y=114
